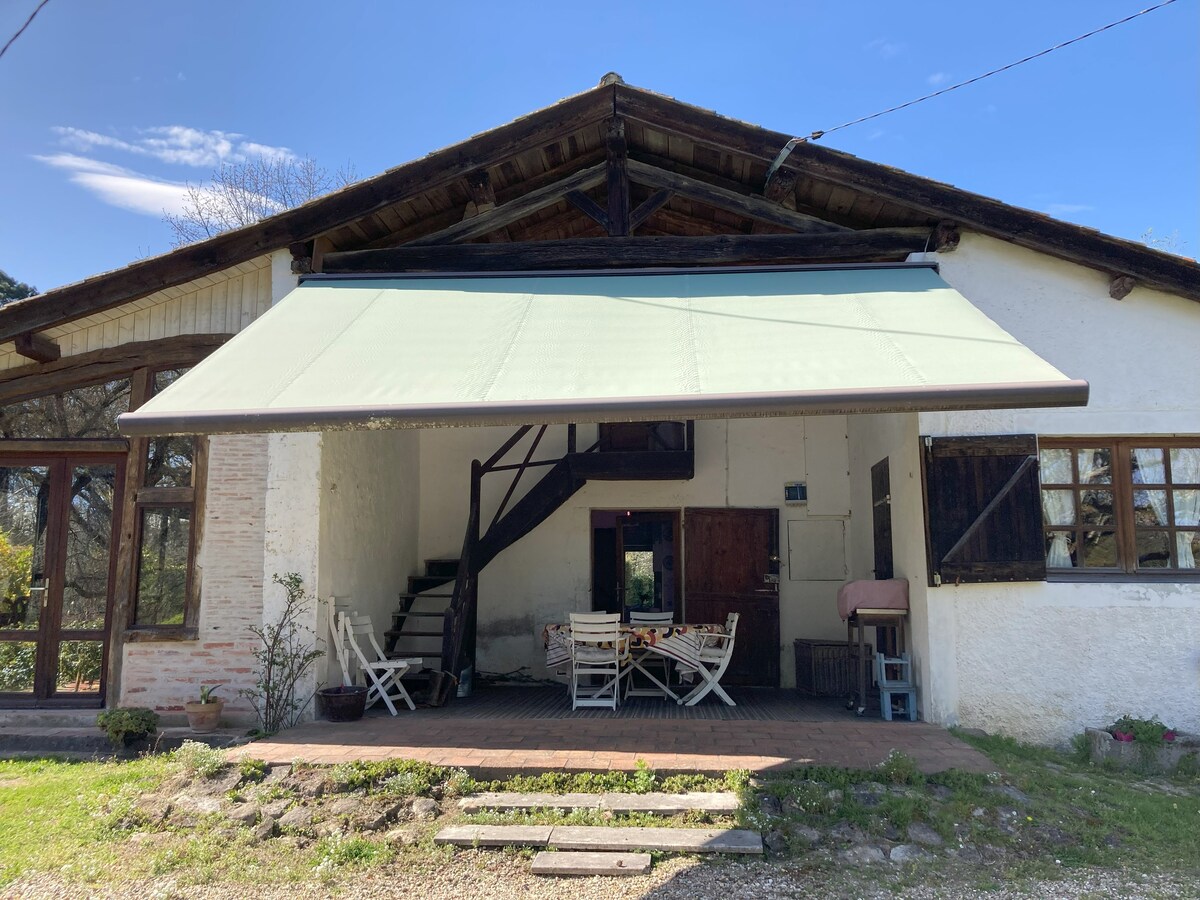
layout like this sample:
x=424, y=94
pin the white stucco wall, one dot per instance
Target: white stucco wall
x=1042, y=661
x=739, y=463
x=370, y=490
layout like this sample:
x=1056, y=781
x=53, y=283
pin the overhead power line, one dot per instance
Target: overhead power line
x=817, y=135
x=21, y=30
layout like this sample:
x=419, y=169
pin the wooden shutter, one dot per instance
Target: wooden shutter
x=983, y=509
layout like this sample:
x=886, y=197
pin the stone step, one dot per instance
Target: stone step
x=653, y=803
x=550, y=862
x=599, y=838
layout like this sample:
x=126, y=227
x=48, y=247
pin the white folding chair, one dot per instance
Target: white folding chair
x=597, y=648
x=383, y=674
x=716, y=650
x=336, y=610
x=648, y=662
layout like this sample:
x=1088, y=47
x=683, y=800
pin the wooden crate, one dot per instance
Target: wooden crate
x=825, y=668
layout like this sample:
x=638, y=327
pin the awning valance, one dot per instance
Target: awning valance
x=528, y=349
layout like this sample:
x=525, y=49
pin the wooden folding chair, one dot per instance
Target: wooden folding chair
x=383, y=674
x=597, y=648
x=716, y=650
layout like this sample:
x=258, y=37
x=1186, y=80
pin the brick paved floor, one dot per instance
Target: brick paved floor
x=820, y=734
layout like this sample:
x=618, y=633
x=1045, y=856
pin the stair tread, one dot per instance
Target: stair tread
x=577, y=862
x=424, y=614
x=401, y=634
x=656, y=802
x=601, y=837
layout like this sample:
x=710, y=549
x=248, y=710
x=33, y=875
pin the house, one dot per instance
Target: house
x=722, y=377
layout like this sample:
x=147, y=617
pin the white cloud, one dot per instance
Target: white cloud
x=937, y=79
x=886, y=48
x=121, y=187
x=1067, y=209
x=175, y=145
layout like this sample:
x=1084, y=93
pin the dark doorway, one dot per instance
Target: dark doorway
x=634, y=557
x=729, y=555
x=881, y=518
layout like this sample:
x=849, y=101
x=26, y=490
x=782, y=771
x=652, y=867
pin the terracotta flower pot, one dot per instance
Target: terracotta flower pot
x=204, y=717
x=346, y=703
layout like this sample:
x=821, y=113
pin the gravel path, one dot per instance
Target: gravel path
x=491, y=876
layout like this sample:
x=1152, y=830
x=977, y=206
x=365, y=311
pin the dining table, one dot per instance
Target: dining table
x=680, y=643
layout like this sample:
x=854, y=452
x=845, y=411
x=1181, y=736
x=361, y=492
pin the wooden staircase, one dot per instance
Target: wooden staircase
x=416, y=626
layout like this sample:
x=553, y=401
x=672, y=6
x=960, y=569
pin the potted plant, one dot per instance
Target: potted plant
x=204, y=714
x=344, y=703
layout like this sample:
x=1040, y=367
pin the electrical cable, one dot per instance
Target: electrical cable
x=817, y=135
x=21, y=30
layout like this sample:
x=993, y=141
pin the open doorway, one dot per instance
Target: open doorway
x=635, y=557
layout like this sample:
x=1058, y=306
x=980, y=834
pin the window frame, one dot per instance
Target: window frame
x=141, y=498
x=1123, y=489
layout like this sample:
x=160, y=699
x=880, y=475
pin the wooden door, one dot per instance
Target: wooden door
x=727, y=557
x=57, y=549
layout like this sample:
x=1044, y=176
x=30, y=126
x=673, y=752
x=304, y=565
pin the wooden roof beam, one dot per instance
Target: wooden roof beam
x=975, y=212
x=514, y=210
x=648, y=207
x=747, y=205
x=618, y=179
x=636, y=252
x=483, y=199
x=37, y=347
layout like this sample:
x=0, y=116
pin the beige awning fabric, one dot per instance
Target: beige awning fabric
x=529, y=349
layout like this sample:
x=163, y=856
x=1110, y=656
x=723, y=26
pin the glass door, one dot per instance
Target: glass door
x=58, y=523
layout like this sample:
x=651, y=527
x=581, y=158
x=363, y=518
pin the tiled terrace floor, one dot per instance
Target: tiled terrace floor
x=503, y=731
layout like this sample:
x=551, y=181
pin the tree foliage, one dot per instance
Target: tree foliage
x=241, y=193
x=11, y=289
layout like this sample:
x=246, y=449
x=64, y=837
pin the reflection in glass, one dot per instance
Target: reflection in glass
x=1060, y=550
x=17, y=663
x=1058, y=507
x=24, y=512
x=79, y=666
x=1150, y=507
x=89, y=532
x=169, y=461
x=1095, y=466
x=1187, y=544
x=1055, y=466
x=86, y=412
x=1148, y=466
x=1153, y=549
x=1100, y=550
x=1096, y=507
x=162, y=565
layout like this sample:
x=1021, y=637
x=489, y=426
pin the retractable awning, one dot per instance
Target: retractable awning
x=428, y=351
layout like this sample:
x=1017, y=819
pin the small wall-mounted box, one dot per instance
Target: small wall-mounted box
x=795, y=493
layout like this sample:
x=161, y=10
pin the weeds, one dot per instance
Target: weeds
x=198, y=760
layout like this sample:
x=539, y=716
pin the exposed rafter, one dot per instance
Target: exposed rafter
x=589, y=208
x=753, y=207
x=618, y=179
x=636, y=252
x=37, y=347
x=647, y=208
x=483, y=199
x=514, y=210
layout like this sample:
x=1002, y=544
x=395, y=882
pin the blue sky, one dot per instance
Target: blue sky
x=108, y=106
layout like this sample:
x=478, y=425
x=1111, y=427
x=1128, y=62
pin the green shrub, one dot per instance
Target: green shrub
x=252, y=770
x=198, y=760
x=900, y=768
x=127, y=724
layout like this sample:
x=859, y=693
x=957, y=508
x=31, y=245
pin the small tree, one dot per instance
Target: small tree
x=11, y=289
x=285, y=657
x=241, y=193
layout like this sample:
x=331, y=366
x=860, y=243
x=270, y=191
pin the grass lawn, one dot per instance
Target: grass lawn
x=1043, y=815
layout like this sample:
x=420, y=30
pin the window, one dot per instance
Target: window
x=1121, y=505
x=165, y=595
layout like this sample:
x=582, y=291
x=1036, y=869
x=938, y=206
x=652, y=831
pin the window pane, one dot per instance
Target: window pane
x=87, y=412
x=169, y=462
x=1055, y=466
x=24, y=518
x=89, y=537
x=1185, y=465
x=18, y=659
x=79, y=667
x=1060, y=549
x=1147, y=463
x=1187, y=507
x=1187, y=546
x=1058, y=507
x=1095, y=466
x=165, y=378
x=1100, y=550
x=162, y=565
x=1150, y=508
x=1153, y=549
x=1096, y=507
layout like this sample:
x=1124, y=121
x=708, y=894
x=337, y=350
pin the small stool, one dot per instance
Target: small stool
x=901, y=686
